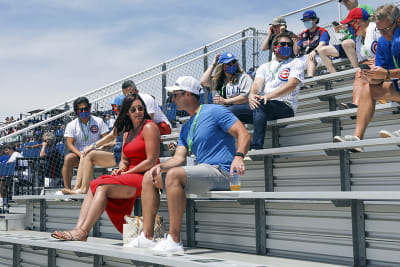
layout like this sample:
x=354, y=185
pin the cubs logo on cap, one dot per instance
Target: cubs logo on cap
x=94, y=128
x=374, y=46
x=284, y=74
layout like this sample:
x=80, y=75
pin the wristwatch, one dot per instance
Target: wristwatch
x=239, y=154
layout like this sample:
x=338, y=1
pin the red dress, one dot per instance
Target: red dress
x=118, y=208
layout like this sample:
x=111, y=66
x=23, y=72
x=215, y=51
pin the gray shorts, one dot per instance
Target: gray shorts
x=203, y=177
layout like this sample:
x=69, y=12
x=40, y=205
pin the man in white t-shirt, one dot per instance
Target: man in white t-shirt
x=151, y=106
x=276, y=88
x=10, y=150
x=80, y=133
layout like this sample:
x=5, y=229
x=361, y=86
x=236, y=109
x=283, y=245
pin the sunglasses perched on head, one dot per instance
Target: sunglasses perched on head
x=284, y=44
x=133, y=109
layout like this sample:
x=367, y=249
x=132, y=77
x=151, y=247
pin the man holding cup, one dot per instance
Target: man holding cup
x=210, y=136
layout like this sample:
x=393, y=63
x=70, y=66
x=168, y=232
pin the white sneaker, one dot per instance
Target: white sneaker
x=349, y=138
x=386, y=134
x=169, y=245
x=141, y=242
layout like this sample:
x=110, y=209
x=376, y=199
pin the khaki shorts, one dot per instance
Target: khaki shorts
x=203, y=177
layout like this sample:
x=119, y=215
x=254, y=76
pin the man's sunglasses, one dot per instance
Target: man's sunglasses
x=83, y=109
x=133, y=109
x=284, y=44
x=387, y=29
x=174, y=94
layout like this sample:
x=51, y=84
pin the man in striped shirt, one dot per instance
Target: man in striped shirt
x=80, y=133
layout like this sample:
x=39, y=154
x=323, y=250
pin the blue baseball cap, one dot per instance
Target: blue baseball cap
x=226, y=58
x=118, y=100
x=309, y=14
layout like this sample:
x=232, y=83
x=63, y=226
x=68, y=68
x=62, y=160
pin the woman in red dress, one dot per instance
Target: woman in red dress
x=116, y=193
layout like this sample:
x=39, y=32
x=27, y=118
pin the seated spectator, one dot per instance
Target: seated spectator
x=276, y=88
x=347, y=49
x=109, y=121
x=278, y=25
x=311, y=40
x=94, y=155
x=116, y=193
x=154, y=110
x=53, y=159
x=383, y=77
x=10, y=150
x=366, y=43
x=231, y=84
x=80, y=133
x=217, y=159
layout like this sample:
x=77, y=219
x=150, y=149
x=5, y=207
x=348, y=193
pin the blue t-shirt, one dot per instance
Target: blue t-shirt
x=211, y=143
x=386, y=50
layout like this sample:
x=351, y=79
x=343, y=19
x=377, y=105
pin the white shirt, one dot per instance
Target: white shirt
x=275, y=74
x=93, y=130
x=242, y=87
x=367, y=49
x=152, y=107
x=14, y=157
x=110, y=122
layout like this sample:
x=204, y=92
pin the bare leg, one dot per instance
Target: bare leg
x=311, y=66
x=79, y=174
x=71, y=160
x=349, y=47
x=174, y=183
x=98, y=158
x=87, y=202
x=150, y=203
x=99, y=202
x=360, y=83
x=325, y=53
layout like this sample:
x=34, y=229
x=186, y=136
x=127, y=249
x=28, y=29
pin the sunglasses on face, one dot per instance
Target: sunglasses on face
x=83, y=109
x=233, y=62
x=284, y=43
x=387, y=29
x=174, y=94
x=133, y=109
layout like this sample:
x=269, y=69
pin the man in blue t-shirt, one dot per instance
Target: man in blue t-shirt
x=210, y=136
x=384, y=76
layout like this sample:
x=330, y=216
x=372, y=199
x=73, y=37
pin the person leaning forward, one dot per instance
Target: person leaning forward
x=217, y=159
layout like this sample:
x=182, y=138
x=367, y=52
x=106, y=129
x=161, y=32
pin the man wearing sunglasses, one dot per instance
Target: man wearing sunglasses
x=156, y=114
x=275, y=88
x=385, y=75
x=80, y=133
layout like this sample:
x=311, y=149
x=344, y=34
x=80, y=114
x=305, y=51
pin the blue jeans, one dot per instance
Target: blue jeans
x=243, y=112
x=273, y=110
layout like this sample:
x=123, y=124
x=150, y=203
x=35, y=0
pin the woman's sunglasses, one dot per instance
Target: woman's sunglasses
x=133, y=109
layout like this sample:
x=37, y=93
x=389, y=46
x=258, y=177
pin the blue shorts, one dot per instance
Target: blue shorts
x=340, y=50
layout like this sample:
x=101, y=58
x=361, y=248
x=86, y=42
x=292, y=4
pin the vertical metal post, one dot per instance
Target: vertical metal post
x=163, y=85
x=268, y=174
x=244, y=51
x=98, y=261
x=275, y=136
x=16, y=255
x=205, y=62
x=43, y=206
x=190, y=222
x=96, y=228
x=36, y=164
x=358, y=231
x=260, y=220
x=254, y=48
x=51, y=257
x=137, y=208
x=345, y=181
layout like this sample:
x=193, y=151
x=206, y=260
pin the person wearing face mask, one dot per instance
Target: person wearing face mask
x=231, y=84
x=311, y=40
x=276, y=88
x=383, y=77
x=80, y=133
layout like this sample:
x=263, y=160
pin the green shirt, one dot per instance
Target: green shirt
x=347, y=34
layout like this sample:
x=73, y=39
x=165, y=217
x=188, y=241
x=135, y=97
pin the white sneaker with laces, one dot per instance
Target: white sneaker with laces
x=386, y=134
x=349, y=138
x=141, y=242
x=169, y=245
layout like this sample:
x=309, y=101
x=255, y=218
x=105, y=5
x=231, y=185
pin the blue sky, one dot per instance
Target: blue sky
x=53, y=50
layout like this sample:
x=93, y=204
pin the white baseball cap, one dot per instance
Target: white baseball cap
x=185, y=83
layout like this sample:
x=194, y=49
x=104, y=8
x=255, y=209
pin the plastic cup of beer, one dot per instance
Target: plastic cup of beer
x=235, y=182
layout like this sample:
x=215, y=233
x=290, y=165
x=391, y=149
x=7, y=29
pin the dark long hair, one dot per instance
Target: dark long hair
x=123, y=123
x=219, y=76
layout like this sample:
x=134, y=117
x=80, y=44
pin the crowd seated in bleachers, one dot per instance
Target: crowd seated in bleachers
x=383, y=76
x=230, y=85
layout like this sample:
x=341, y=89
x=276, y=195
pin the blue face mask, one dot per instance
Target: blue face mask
x=84, y=114
x=285, y=51
x=230, y=69
x=308, y=24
